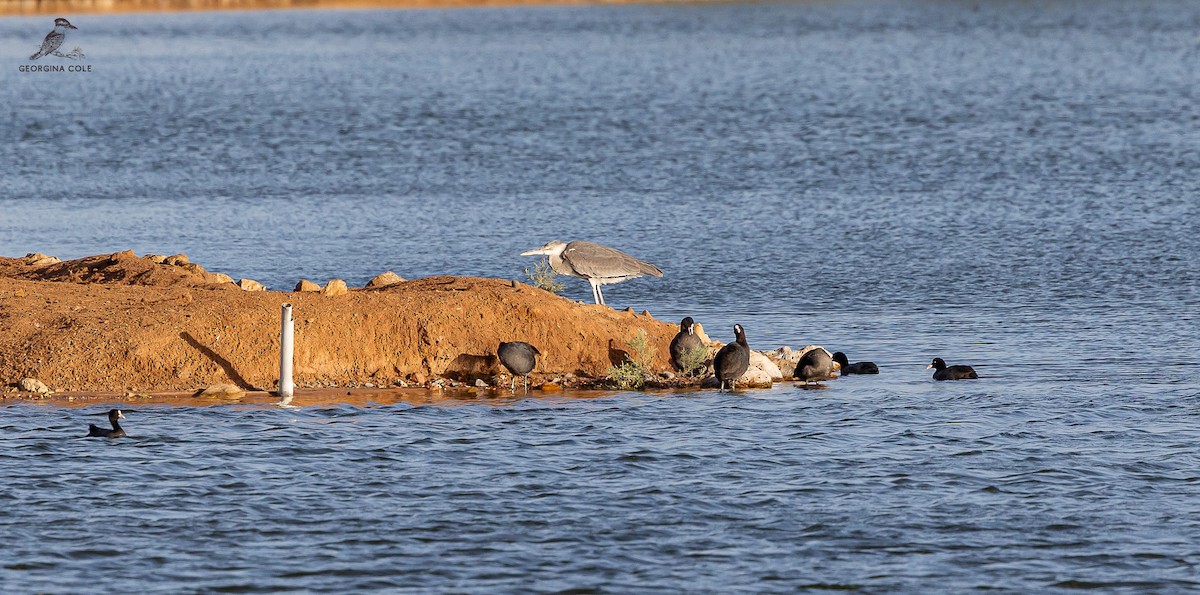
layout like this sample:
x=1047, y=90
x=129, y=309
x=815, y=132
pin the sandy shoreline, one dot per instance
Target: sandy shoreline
x=74, y=7
x=130, y=328
x=122, y=325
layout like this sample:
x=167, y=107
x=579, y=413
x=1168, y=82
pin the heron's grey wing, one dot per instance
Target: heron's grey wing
x=593, y=260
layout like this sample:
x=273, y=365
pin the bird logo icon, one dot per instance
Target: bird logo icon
x=54, y=40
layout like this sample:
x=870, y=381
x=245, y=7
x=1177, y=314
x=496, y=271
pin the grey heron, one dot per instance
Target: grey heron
x=856, y=367
x=597, y=263
x=733, y=359
x=519, y=358
x=685, y=341
x=814, y=366
x=941, y=372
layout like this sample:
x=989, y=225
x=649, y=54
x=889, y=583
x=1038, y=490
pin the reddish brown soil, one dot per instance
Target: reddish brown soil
x=120, y=322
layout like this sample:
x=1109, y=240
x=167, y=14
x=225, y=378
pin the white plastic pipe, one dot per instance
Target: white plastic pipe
x=287, y=324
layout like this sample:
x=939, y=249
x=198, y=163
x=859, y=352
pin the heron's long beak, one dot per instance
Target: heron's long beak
x=535, y=252
x=72, y=26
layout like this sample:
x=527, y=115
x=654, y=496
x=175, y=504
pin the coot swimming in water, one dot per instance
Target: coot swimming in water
x=732, y=360
x=520, y=358
x=115, y=432
x=686, y=340
x=856, y=367
x=941, y=372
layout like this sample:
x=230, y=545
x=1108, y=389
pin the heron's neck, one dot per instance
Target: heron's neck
x=560, y=267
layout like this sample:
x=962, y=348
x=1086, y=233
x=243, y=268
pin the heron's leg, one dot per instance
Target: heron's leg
x=600, y=292
x=527, y=384
x=595, y=287
x=514, y=384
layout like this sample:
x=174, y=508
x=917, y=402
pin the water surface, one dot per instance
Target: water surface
x=1009, y=185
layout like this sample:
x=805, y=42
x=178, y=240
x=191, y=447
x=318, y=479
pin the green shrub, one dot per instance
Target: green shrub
x=544, y=277
x=693, y=360
x=631, y=374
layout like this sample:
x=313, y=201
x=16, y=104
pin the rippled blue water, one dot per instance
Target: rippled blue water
x=1010, y=185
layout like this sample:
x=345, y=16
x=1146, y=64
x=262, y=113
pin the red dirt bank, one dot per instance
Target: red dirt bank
x=120, y=322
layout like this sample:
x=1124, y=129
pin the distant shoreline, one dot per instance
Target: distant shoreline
x=73, y=7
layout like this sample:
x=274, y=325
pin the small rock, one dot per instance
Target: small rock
x=122, y=254
x=419, y=378
x=481, y=383
x=156, y=258
x=699, y=329
x=401, y=384
x=217, y=278
x=39, y=259
x=751, y=379
x=755, y=378
x=32, y=385
x=222, y=391
x=193, y=268
x=385, y=279
x=306, y=285
x=368, y=385
x=335, y=287
x=251, y=285
x=550, y=387
x=668, y=375
x=759, y=361
x=177, y=260
x=646, y=313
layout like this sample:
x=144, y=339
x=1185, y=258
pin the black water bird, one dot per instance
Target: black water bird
x=115, y=432
x=856, y=367
x=685, y=341
x=814, y=366
x=519, y=358
x=942, y=372
x=732, y=360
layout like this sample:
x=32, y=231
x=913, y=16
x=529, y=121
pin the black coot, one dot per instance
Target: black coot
x=520, y=358
x=732, y=360
x=942, y=372
x=856, y=367
x=115, y=432
x=686, y=340
x=814, y=366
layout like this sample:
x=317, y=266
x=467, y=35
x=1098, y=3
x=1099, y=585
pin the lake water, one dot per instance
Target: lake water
x=1011, y=185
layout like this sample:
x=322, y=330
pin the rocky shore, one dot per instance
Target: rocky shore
x=160, y=324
